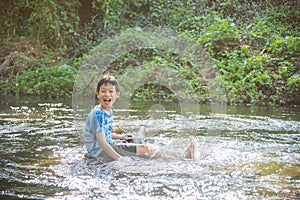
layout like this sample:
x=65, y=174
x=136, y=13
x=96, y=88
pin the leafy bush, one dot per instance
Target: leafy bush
x=51, y=82
x=255, y=44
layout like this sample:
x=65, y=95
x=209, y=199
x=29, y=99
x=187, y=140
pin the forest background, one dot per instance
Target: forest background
x=255, y=45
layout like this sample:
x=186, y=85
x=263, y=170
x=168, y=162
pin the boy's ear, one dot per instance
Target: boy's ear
x=118, y=94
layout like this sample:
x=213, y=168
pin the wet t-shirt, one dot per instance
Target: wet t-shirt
x=98, y=121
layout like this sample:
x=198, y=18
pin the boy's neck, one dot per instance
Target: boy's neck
x=105, y=109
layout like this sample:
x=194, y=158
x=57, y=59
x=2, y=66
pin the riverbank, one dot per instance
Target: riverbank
x=255, y=46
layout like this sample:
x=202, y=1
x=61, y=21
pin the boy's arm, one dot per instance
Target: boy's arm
x=126, y=136
x=106, y=147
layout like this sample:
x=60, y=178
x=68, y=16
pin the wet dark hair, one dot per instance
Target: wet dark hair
x=108, y=79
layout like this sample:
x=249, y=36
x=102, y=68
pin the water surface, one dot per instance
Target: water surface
x=245, y=153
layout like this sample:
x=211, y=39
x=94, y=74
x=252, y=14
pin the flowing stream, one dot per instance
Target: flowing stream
x=246, y=152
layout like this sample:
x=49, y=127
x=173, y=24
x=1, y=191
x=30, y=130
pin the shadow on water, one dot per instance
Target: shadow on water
x=245, y=153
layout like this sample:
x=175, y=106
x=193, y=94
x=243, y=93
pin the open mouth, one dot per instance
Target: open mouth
x=107, y=100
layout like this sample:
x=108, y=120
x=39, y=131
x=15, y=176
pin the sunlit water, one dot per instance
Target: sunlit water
x=245, y=153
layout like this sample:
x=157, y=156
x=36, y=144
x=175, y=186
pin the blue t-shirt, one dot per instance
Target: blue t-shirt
x=98, y=121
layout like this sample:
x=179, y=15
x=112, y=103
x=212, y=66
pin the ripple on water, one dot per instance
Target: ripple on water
x=241, y=157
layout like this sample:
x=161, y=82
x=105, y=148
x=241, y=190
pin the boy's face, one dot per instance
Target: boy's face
x=107, y=95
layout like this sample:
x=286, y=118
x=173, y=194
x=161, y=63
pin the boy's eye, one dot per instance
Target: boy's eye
x=104, y=91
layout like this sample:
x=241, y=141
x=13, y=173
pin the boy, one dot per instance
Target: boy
x=98, y=137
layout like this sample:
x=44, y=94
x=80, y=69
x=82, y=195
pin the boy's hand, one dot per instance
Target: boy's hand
x=127, y=137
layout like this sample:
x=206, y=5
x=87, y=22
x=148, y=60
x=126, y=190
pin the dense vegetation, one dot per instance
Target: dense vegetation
x=255, y=44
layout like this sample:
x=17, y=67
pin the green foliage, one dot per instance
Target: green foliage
x=255, y=44
x=176, y=73
x=52, y=21
x=264, y=78
x=219, y=35
x=52, y=82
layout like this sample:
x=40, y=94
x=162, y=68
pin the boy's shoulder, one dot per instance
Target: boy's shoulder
x=98, y=111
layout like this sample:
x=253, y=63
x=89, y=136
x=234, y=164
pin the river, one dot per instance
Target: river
x=246, y=152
